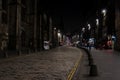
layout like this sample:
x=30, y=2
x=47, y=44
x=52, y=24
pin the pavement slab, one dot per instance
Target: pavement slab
x=107, y=62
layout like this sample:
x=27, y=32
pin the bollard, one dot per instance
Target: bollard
x=5, y=54
x=91, y=61
x=93, y=71
x=19, y=52
x=28, y=51
x=90, y=57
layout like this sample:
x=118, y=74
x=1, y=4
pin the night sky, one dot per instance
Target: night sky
x=73, y=12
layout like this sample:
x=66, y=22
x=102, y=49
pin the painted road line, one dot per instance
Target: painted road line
x=73, y=70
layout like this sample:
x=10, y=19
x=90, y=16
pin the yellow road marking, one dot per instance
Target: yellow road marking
x=72, y=72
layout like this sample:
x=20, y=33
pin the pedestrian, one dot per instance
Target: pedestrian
x=89, y=45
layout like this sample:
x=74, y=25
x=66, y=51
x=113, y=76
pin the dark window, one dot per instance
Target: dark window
x=23, y=14
x=4, y=4
x=4, y=18
x=4, y=13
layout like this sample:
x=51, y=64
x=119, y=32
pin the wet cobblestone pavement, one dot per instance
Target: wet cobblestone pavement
x=54, y=64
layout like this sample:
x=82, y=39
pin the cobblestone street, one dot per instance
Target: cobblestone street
x=54, y=64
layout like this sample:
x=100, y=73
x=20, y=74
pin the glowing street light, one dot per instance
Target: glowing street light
x=59, y=34
x=104, y=11
x=83, y=29
x=54, y=28
x=59, y=37
x=89, y=26
x=97, y=22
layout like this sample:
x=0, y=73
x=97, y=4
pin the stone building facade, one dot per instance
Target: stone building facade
x=24, y=25
x=3, y=24
x=117, y=26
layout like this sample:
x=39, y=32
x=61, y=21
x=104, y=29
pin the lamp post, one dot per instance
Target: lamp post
x=83, y=29
x=89, y=26
x=104, y=12
x=97, y=22
x=82, y=32
x=54, y=36
x=59, y=37
x=89, y=31
x=97, y=26
x=97, y=30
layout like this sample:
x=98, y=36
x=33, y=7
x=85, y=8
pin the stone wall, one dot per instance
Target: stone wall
x=3, y=25
x=117, y=26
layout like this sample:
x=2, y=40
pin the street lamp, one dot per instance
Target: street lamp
x=97, y=22
x=59, y=37
x=82, y=33
x=54, y=28
x=97, y=29
x=104, y=11
x=89, y=26
x=83, y=29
